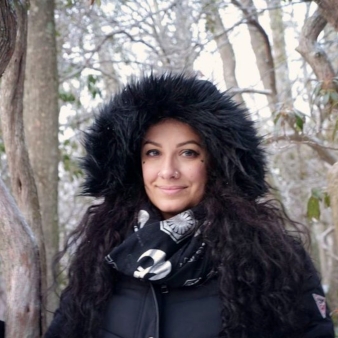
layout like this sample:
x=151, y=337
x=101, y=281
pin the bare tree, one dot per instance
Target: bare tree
x=322, y=67
x=22, y=255
x=41, y=115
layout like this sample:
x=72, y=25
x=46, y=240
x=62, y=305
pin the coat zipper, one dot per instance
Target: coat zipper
x=157, y=311
x=164, y=288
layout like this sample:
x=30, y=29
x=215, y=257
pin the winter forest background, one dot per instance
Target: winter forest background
x=60, y=59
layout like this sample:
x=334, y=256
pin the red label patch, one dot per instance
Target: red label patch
x=321, y=305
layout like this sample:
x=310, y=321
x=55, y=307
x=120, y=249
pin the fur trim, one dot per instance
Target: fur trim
x=112, y=164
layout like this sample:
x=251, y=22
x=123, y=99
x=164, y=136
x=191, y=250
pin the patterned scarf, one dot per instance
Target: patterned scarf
x=170, y=252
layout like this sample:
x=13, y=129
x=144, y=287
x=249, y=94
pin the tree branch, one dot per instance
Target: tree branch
x=312, y=52
x=329, y=10
x=250, y=90
x=324, y=242
x=322, y=151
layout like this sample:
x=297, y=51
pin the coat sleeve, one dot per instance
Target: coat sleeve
x=317, y=314
x=55, y=327
x=2, y=329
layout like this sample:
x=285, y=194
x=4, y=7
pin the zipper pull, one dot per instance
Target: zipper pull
x=164, y=289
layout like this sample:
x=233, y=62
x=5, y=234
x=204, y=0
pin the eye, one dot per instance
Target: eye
x=190, y=153
x=152, y=153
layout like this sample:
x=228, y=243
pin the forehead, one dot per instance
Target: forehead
x=171, y=129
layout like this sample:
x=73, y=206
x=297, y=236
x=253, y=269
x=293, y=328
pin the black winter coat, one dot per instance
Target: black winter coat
x=147, y=310
x=2, y=329
x=142, y=310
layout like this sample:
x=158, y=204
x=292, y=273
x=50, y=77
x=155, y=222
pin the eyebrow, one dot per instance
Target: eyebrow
x=178, y=145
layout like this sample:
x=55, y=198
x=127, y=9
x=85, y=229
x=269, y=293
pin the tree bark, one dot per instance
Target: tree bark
x=41, y=115
x=20, y=257
x=329, y=10
x=23, y=188
x=7, y=33
x=330, y=40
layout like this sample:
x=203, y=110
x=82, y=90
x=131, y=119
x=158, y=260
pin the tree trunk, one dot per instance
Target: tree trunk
x=41, y=122
x=105, y=53
x=225, y=50
x=20, y=257
x=262, y=49
x=333, y=191
x=284, y=92
x=24, y=267
x=7, y=33
x=330, y=37
x=109, y=74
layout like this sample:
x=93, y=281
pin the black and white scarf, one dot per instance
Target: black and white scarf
x=170, y=252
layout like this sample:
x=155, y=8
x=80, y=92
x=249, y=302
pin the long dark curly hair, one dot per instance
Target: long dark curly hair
x=254, y=245
x=260, y=263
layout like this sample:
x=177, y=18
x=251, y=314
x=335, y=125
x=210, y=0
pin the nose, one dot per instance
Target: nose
x=168, y=169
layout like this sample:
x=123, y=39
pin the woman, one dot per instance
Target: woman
x=182, y=243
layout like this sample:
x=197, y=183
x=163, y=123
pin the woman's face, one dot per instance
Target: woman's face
x=173, y=167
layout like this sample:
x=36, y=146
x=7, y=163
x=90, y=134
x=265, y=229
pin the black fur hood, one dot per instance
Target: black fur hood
x=113, y=143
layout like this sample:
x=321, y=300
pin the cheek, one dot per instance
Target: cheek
x=203, y=178
x=149, y=173
x=198, y=174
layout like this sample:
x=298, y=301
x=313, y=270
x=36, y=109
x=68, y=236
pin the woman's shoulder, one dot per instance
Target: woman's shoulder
x=2, y=329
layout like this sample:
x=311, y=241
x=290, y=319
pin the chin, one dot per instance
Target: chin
x=169, y=212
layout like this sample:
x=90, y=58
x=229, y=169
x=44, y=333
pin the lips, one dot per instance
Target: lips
x=172, y=190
